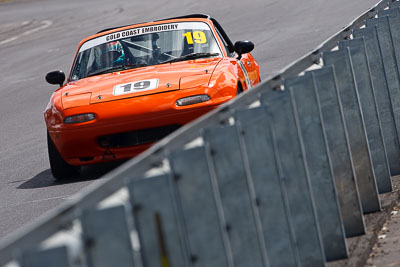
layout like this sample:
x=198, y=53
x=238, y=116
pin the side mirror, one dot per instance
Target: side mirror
x=55, y=77
x=243, y=47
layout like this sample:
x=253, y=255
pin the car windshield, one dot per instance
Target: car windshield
x=144, y=46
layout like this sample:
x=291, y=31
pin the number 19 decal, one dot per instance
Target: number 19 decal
x=198, y=36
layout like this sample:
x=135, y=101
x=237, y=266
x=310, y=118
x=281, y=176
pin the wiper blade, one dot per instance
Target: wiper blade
x=116, y=68
x=191, y=56
x=105, y=70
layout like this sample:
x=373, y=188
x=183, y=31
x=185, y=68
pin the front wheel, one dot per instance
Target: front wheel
x=60, y=169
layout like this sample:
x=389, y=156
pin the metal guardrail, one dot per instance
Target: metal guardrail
x=278, y=184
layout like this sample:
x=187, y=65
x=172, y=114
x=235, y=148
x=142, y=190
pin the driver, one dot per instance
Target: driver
x=109, y=55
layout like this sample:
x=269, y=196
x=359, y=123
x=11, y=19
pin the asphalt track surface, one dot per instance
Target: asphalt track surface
x=37, y=36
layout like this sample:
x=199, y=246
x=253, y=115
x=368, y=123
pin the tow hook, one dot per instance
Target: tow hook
x=108, y=155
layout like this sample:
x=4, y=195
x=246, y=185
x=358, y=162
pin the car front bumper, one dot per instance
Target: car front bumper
x=80, y=144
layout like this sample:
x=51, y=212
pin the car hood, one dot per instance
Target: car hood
x=138, y=82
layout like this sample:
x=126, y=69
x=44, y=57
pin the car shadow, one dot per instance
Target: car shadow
x=46, y=179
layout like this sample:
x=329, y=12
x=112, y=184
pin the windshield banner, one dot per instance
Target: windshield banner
x=143, y=30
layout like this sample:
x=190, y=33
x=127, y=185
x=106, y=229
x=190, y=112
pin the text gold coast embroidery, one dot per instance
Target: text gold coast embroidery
x=138, y=31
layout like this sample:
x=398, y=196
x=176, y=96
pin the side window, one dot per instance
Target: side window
x=224, y=43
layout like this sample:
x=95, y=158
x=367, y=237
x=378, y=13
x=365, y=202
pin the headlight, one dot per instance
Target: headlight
x=190, y=100
x=79, y=118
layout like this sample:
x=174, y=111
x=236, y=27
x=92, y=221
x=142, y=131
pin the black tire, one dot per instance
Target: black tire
x=239, y=89
x=60, y=169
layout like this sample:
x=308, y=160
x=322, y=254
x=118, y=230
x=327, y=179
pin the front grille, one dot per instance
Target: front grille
x=138, y=137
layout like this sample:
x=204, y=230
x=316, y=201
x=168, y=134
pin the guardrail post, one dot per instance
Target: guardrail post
x=307, y=108
x=366, y=92
x=201, y=209
x=156, y=220
x=57, y=256
x=394, y=4
x=394, y=28
x=261, y=160
x=391, y=12
x=390, y=66
x=359, y=148
x=237, y=196
x=382, y=95
x=107, y=237
x=295, y=176
x=339, y=150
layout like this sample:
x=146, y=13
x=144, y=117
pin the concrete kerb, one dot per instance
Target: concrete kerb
x=360, y=247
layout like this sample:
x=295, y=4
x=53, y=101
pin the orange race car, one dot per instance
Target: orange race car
x=133, y=85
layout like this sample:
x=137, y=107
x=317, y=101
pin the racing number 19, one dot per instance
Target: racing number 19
x=199, y=37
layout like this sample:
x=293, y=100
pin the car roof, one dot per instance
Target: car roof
x=191, y=16
x=200, y=16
